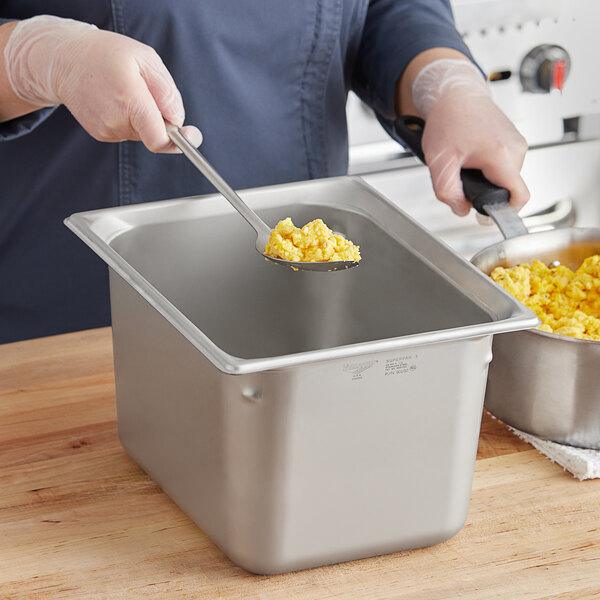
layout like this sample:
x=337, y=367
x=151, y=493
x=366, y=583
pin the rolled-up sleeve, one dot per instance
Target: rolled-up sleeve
x=395, y=32
x=20, y=126
x=15, y=128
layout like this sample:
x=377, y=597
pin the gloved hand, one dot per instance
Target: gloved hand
x=466, y=129
x=117, y=88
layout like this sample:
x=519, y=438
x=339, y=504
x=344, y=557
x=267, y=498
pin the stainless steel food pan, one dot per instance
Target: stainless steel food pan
x=544, y=383
x=300, y=418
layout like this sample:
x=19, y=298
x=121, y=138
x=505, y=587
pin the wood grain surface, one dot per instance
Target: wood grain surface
x=79, y=519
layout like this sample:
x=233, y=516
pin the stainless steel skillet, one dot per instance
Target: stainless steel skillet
x=540, y=383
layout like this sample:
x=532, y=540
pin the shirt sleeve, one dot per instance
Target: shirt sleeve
x=20, y=126
x=395, y=31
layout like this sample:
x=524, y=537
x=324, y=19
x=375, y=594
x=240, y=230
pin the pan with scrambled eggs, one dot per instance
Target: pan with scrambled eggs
x=567, y=302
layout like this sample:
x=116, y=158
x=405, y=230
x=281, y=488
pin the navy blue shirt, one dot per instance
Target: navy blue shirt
x=265, y=81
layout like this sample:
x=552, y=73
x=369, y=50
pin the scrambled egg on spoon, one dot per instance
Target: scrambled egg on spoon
x=314, y=242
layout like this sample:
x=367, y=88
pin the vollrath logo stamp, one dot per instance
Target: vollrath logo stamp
x=357, y=369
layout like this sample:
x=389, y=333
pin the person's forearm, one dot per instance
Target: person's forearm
x=404, y=103
x=115, y=87
x=465, y=129
x=11, y=106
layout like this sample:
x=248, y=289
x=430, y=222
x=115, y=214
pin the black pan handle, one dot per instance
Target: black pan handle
x=478, y=190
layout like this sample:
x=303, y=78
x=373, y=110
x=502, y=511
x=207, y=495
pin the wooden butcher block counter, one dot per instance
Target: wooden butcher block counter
x=79, y=519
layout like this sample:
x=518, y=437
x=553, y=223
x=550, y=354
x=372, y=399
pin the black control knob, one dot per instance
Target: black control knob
x=545, y=69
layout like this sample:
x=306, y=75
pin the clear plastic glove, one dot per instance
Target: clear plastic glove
x=117, y=88
x=466, y=129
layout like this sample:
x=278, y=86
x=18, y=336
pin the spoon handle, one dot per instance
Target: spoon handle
x=196, y=158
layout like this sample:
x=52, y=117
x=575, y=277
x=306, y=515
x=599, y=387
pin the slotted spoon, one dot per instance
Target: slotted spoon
x=263, y=231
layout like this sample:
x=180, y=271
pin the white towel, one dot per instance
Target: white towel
x=583, y=463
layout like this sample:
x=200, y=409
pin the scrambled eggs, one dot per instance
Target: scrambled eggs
x=315, y=242
x=567, y=303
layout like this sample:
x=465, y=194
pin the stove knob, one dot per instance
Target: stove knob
x=545, y=69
